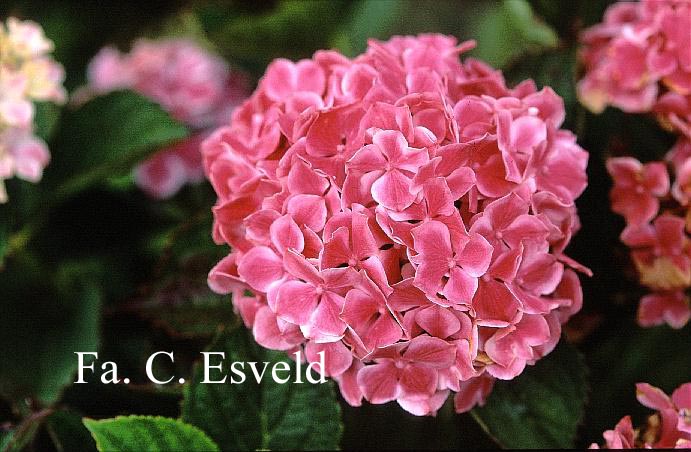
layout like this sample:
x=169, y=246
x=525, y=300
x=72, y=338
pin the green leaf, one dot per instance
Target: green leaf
x=185, y=25
x=150, y=433
x=179, y=299
x=46, y=119
x=370, y=19
x=105, y=138
x=508, y=30
x=269, y=415
x=42, y=324
x=531, y=28
x=196, y=317
x=68, y=433
x=569, y=18
x=290, y=30
x=4, y=237
x=5, y=438
x=543, y=407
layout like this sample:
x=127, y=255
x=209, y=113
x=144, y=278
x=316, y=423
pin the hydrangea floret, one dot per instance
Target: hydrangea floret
x=27, y=74
x=195, y=86
x=404, y=212
x=668, y=428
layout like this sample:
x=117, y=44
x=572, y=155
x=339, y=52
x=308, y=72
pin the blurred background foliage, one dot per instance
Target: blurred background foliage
x=90, y=263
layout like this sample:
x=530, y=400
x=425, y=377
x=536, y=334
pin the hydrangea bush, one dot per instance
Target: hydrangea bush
x=639, y=60
x=27, y=74
x=193, y=85
x=404, y=212
x=668, y=428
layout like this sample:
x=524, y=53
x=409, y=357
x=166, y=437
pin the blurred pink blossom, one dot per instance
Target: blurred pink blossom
x=639, y=60
x=193, y=85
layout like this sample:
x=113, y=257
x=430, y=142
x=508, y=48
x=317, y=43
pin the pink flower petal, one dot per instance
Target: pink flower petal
x=461, y=287
x=476, y=256
x=337, y=357
x=379, y=382
x=308, y=210
x=285, y=234
x=430, y=352
x=438, y=321
x=494, y=304
x=296, y=301
x=260, y=268
x=392, y=191
x=653, y=397
x=417, y=382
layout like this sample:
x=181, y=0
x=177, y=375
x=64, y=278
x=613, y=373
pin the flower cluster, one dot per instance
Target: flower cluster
x=194, y=86
x=27, y=74
x=669, y=428
x=403, y=212
x=658, y=222
x=639, y=60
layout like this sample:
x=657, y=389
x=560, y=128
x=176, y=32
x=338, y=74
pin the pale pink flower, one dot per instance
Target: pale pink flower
x=26, y=39
x=404, y=212
x=27, y=74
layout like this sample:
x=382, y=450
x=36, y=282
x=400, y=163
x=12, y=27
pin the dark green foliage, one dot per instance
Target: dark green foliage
x=543, y=407
x=290, y=416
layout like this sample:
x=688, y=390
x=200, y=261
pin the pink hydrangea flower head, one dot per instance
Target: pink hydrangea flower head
x=406, y=213
x=27, y=74
x=638, y=60
x=668, y=428
x=193, y=85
